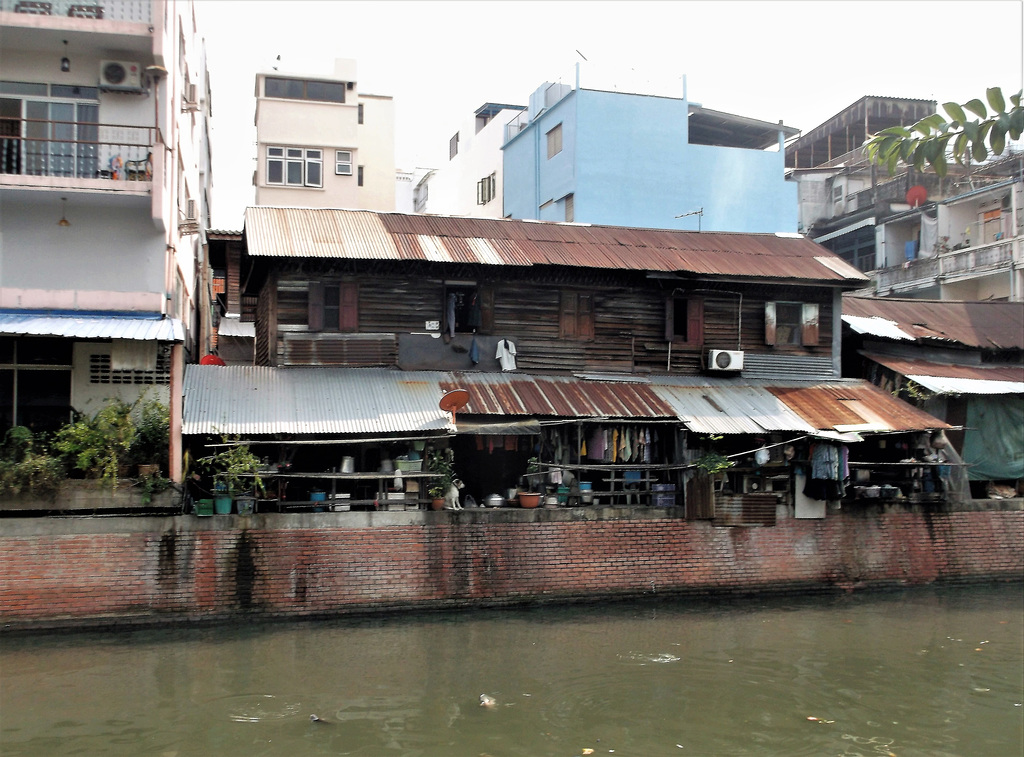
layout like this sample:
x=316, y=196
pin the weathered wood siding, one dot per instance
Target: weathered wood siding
x=628, y=322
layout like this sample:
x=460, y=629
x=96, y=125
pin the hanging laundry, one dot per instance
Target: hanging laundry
x=474, y=352
x=506, y=355
x=615, y=445
x=473, y=318
x=451, y=315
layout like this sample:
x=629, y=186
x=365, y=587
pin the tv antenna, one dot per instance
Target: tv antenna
x=698, y=213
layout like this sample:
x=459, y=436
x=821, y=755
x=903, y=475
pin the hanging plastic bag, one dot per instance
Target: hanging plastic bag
x=474, y=352
x=762, y=456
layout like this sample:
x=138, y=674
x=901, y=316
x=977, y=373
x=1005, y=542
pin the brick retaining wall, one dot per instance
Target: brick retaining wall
x=82, y=572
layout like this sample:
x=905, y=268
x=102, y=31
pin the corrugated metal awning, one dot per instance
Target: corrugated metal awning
x=251, y=400
x=75, y=325
x=255, y=400
x=944, y=378
x=517, y=427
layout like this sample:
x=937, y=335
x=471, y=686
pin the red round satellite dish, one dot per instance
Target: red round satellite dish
x=454, y=400
x=211, y=360
x=916, y=196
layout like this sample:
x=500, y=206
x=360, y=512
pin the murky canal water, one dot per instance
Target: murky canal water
x=923, y=672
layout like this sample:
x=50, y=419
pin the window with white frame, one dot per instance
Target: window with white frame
x=295, y=166
x=343, y=162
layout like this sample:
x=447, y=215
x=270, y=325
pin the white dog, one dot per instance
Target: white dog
x=451, y=499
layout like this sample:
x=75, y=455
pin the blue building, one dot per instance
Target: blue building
x=615, y=158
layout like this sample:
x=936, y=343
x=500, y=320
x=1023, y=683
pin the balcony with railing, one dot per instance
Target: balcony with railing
x=137, y=11
x=951, y=265
x=101, y=154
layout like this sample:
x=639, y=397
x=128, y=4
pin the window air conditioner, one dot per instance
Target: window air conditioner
x=120, y=76
x=725, y=360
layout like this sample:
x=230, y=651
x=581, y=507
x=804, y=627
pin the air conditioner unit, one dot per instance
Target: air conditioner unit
x=725, y=360
x=120, y=76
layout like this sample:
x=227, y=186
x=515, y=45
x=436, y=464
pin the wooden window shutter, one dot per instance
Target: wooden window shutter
x=316, y=306
x=585, y=317
x=486, y=295
x=769, y=323
x=670, y=318
x=695, y=320
x=348, y=317
x=567, y=316
x=809, y=324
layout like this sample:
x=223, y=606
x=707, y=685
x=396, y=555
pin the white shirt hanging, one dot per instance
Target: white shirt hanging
x=506, y=355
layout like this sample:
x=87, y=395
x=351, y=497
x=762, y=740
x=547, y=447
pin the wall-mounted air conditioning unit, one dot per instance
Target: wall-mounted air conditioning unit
x=120, y=76
x=725, y=360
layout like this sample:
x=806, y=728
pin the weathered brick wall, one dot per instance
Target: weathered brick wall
x=98, y=571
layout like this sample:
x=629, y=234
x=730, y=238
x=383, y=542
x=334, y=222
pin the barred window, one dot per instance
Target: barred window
x=100, y=371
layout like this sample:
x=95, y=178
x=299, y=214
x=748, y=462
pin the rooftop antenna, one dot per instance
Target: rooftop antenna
x=698, y=213
x=582, y=56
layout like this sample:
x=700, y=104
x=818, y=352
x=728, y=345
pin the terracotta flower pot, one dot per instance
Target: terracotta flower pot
x=529, y=499
x=437, y=503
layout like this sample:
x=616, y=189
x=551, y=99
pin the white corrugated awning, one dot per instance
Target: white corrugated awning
x=514, y=427
x=250, y=400
x=876, y=326
x=951, y=385
x=92, y=326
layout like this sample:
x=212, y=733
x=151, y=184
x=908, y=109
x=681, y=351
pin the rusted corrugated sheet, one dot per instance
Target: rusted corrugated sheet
x=853, y=405
x=561, y=397
x=254, y=400
x=986, y=325
x=366, y=235
x=957, y=379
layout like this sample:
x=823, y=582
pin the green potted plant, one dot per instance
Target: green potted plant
x=439, y=462
x=98, y=446
x=235, y=471
x=529, y=494
x=26, y=467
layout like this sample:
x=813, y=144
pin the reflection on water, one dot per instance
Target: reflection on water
x=926, y=672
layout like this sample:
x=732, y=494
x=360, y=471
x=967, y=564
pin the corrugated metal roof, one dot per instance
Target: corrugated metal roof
x=92, y=326
x=731, y=409
x=367, y=235
x=986, y=325
x=559, y=396
x=957, y=379
x=251, y=400
x=854, y=406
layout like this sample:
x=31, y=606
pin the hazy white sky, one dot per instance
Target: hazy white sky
x=799, y=62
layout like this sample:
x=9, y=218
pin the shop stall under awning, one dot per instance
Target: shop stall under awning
x=253, y=400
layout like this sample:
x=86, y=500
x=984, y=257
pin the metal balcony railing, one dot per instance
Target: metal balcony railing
x=947, y=265
x=138, y=11
x=76, y=150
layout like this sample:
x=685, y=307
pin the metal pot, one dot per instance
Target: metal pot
x=494, y=500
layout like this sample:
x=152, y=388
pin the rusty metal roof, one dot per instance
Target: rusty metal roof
x=957, y=379
x=250, y=400
x=368, y=235
x=854, y=406
x=985, y=325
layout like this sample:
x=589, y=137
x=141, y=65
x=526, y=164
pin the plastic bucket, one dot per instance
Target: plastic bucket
x=222, y=505
x=586, y=492
x=204, y=507
x=348, y=464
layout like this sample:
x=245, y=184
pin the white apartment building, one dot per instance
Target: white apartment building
x=470, y=184
x=104, y=177
x=322, y=143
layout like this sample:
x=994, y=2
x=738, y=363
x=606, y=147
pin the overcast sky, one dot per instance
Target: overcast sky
x=799, y=62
